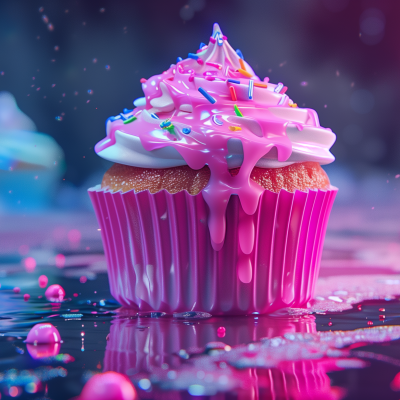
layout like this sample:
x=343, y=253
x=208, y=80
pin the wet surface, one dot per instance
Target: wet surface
x=343, y=346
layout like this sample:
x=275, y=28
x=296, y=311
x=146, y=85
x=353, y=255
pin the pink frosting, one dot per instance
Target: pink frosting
x=174, y=96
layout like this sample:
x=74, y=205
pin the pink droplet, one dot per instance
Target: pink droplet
x=382, y=317
x=43, y=280
x=16, y=289
x=221, y=331
x=30, y=264
x=330, y=324
x=370, y=323
x=44, y=350
x=74, y=236
x=26, y=296
x=55, y=293
x=83, y=279
x=60, y=260
x=382, y=310
x=108, y=386
x=43, y=333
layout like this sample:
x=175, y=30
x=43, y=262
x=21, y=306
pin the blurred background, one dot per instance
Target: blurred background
x=71, y=64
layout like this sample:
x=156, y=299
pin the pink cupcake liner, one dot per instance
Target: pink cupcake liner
x=160, y=256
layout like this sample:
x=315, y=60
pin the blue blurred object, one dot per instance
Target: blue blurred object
x=31, y=163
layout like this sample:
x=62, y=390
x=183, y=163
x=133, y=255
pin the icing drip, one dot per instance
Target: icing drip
x=202, y=102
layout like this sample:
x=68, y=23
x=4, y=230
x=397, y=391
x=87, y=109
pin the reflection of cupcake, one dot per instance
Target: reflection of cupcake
x=30, y=162
x=217, y=201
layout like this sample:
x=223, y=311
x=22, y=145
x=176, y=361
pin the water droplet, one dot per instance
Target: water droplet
x=16, y=290
x=221, y=332
x=382, y=310
x=55, y=293
x=330, y=324
x=43, y=281
x=370, y=323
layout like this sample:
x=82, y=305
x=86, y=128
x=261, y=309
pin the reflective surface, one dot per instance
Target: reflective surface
x=312, y=353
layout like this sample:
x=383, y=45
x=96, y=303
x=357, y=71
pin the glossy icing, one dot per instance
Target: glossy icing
x=188, y=116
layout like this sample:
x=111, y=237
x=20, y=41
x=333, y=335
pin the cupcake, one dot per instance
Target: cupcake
x=217, y=201
x=31, y=163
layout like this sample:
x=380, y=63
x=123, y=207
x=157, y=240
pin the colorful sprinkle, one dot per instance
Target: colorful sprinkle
x=237, y=111
x=165, y=124
x=224, y=37
x=234, y=81
x=294, y=105
x=122, y=117
x=227, y=70
x=179, y=59
x=186, y=131
x=202, y=45
x=219, y=66
x=212, y=40
x=235, y=128
x=216, y=120
x=143, y=80
x=193, y=56
x=155, y=116
x=241, y=62
x=258, y=84
x=220, y=41
x=284, y=90
x=207, y=96
x=126, y=111
x=251, y=89
x=130, y=119
x=239, y=53
x=278, y=87
x=200, y=61
x=233, y=93
x=245, y=73
x=282, y=100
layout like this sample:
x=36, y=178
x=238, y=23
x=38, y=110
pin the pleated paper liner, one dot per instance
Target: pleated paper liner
x=160, y=256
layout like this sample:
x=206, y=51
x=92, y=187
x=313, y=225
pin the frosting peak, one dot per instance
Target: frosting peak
x=211, y=109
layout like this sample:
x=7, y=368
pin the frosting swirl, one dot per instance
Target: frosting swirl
x=211, y=109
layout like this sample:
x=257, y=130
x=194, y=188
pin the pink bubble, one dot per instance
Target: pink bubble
x=60, y=260
x=74, y=236
x=43, y=350
x=221, y=332
x=83, y=279
x=16, y=289
x=30, y=264
x=26, y=296
x=23, y=249
x=43, y=280
x=55, y=293
x=43, y=333
x=108, y=386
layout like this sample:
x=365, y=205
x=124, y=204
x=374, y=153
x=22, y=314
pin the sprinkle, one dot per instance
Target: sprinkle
x=202, y=45
x=283, y=91
x=131, y=119
x=207, y=96
x=219, y=66
x=212, y=40
x=224, y=37
x=234, y=81
x=143, y=80
x=155, y=116
x=165, y=124
x=251, y=88
x=282, y=100
x=126, y=111
x=233, y=93
x=227, y=70
x=241, y=62
x=170, y=129
x=179, y=59
x=194, y=56
x=237, y=111
x=191, y=78
x=245, y=73
x=210, y=78
x=216, y=120
x=278, y=87
x=239, y=53
x=258, y=84
x=266, y=79
x=294, y=105
x=200, y=61
x=235, y=128
x=219, y=39
x=122, y=117
x=186, y=131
